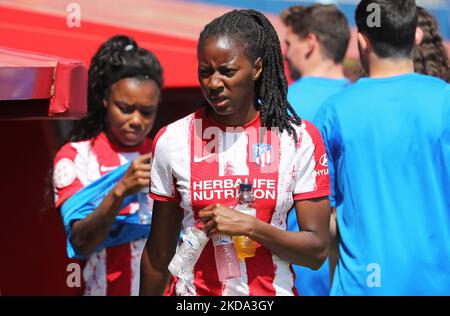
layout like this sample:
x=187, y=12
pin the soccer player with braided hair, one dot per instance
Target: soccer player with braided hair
x=247, y=133
x=124, y=90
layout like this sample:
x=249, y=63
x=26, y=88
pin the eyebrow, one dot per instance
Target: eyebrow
x=134, y=105
x=231, y=64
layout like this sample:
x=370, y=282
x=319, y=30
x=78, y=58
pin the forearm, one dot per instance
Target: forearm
x=303, y=248
x=89, y=232
x=153, y=278
x=160, y=247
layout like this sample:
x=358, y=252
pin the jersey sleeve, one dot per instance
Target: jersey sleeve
x=68, y=167
x=312, y=179
x=162, y=180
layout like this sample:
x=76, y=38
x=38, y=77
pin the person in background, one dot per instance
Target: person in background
x=353, y=70
x=316, y=38
x=124, y=90
x=388, y=144
x=430, y=55
x=241, y=73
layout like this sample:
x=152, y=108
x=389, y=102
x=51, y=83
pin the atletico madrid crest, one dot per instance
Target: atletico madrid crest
x=262, y=154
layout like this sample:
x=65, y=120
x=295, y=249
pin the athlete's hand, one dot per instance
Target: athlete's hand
x=136, y=177
x=219, y=219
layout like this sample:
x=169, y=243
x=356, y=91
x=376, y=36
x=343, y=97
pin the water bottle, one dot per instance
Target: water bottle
x=184, y=260
x=145, y=207
x=227, y=263
x=245, y=247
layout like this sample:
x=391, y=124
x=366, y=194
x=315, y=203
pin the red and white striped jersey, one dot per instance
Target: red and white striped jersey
x=198, y=162
x=114, y=270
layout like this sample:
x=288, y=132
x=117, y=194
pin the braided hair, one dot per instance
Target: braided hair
x=116, y=59
x=430, y=56
x=259, y=39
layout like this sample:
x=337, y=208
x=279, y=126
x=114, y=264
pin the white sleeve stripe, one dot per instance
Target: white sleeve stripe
x=306, y=181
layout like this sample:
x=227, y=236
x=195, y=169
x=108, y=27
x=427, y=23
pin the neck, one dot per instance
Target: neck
x=325, y=69
x=389, y=67
x=111, y=138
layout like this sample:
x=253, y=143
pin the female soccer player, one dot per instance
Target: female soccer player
x=244, y=134
x=124, y=91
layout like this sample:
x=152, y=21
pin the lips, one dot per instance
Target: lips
x=218, y=100
x=132, y=134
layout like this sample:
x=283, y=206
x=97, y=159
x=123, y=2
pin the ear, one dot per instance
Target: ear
x=312, y=41
x=257, y=69
x=419, y=36
x=362, y=41
x=105, y=103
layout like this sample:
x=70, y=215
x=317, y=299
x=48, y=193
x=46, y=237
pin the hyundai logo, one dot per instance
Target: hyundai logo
x=323, y=160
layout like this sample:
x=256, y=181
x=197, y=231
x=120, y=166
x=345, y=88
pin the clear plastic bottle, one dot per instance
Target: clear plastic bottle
x=145, y=207
x=227, y=263
x=245, y=247
x=184, y=260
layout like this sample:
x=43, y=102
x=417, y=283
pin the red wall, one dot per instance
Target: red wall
x=33, y=260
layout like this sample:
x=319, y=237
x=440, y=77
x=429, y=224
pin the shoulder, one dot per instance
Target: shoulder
x=72, y=158
x=298, y=88
x=346, y=100
x=173, y=133
x=296, y=85
x=71, y=150
x=307, y=131
x=349, y=90
x=310, y=129
x=432, y=90
x=173, y=129
x=430, y=79
x=429, y=85
x=305, y=127
x=66, y=151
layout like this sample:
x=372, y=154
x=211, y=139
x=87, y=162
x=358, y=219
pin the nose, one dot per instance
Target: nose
x=136, y=120
x=215, y=83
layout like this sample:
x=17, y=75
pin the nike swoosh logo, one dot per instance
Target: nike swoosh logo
x=106, y=169
x=200, y=159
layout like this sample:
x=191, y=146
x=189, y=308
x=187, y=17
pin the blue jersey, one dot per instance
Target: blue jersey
x=306, y=96
x=388, y=143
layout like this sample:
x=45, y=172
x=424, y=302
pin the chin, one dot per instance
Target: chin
x=222, y=110
x=131, y=142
